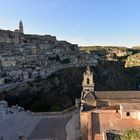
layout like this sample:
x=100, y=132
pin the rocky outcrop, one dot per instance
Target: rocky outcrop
x=133, y=61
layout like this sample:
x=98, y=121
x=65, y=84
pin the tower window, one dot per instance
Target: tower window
x=88, y=81
x=127, y=113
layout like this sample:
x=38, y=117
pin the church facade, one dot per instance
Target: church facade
x=105, y=114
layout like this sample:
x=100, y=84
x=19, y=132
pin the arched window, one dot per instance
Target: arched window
x=88, y=81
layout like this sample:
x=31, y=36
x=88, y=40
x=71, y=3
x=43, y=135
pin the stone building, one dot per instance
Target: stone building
x=130, y=111
x=11, y=37
x=7, y=60
x=106, y=112
x=21, y=29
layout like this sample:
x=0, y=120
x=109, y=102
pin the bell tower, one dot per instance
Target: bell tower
x=87, y=95
x=88, y=84
x=21, y=27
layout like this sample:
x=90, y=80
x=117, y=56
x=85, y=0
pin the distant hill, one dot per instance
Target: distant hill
x=133, y=60
x=136, y=48
x=102, y=47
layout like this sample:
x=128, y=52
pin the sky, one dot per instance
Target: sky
x=82, y=22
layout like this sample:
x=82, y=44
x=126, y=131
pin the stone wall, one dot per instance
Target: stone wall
x=84, y=125
x=65, y=112
x=16, y=37
x=37, y=39
x=10, y=37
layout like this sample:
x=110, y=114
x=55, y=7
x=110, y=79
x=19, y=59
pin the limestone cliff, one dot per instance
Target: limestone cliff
x=133, y=60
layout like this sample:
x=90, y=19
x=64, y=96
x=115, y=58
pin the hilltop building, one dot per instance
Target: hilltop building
x=21, y=29
x=105, y=114
x=21, y=26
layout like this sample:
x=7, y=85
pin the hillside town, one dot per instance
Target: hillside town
x=24, y=57
x=102, y=110
x=70, y=70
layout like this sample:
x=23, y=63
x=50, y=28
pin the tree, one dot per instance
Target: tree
x=131, y=134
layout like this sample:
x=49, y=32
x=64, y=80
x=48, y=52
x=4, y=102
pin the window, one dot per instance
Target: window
x=127, y=113
x=88, y=81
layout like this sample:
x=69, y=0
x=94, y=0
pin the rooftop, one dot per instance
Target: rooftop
x=14, y=122
x=130, y=106
x=117, y=94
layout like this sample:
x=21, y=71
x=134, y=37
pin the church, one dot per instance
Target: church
x=104, y=114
